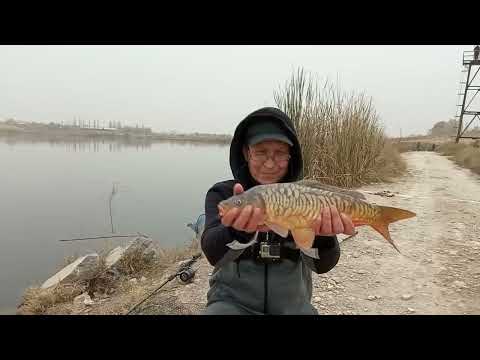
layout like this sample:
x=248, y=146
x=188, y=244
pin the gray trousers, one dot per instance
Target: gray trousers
x=239, y=289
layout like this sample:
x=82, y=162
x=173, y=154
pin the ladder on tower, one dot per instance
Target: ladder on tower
x=469, y=111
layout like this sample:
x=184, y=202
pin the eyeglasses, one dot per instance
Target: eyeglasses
x=263, y=156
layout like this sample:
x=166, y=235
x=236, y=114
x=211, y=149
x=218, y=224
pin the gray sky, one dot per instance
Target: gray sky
x=211, y=88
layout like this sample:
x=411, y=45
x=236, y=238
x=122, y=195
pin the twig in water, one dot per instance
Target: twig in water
x=114, y=191
x=106, y=237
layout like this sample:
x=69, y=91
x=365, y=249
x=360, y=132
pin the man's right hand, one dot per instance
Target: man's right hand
x=247, y=219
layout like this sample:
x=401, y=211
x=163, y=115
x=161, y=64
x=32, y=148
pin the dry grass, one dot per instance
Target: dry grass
x=342, y=141
x=390, y=162
x=37, y=301
x=465, y=155
x=59, y=299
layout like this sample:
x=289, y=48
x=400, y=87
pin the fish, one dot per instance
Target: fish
x=293, y=207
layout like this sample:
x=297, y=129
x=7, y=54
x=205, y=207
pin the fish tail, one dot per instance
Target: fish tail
x=387, y=216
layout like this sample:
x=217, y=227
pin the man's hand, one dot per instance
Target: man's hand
x=248, y=219
x=330, y=222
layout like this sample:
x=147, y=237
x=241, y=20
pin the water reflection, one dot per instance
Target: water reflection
x=99, y=144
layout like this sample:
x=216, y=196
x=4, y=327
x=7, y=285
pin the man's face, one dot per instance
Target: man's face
x=267, y=161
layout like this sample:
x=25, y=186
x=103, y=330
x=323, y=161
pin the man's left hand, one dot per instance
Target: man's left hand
x=330, y=222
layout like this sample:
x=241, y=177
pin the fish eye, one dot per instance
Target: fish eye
x=237, y=202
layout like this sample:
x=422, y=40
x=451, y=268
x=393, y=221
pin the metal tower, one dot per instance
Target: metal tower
x=471, y=61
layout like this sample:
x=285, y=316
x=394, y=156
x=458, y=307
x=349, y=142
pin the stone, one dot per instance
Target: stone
x=407, y=296
x=410, y=310
x=143, y=279
x=371, y=297
x=114, y=256
x=356, y=254
x=84, y=268
x=140, y=244
x=83, y=298
x=133, y=280
x=88, y=301
x=459, y=284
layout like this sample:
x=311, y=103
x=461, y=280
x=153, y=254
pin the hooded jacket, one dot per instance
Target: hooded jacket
x=216, y=235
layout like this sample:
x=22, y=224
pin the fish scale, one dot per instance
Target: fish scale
x=295, y=206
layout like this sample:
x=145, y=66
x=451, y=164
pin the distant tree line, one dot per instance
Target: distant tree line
x=450, y=128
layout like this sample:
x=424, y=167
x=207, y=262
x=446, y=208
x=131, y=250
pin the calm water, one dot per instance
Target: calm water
x=52, y=191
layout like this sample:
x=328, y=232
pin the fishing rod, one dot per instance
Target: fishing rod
x=185, y=272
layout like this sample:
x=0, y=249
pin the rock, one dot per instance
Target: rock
x=317, y=299
x=143, y=279
x=140, y=244
x=133, y=280
x=459, y=284
x=407, y=296
x=114, y=256
x=81, y=269
x=356, y=254
x=330, y=287
x=371, y=297
x=88, y=301
x=83, y=298
x=410, y=310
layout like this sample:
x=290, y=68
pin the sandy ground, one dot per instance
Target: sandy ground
x=437, y=272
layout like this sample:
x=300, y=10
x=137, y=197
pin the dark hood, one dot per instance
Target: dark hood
x=239, y=165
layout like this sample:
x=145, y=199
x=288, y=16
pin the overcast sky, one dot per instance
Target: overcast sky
x=211, y=88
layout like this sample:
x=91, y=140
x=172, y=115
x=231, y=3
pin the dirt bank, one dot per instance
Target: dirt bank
x=438, y=271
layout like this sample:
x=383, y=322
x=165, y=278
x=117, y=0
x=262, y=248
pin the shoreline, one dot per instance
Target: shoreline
x=79, y=134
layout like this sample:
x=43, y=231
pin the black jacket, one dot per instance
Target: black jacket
x=216, y=236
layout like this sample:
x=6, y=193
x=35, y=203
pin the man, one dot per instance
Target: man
x=476, y=52
x=264, y=150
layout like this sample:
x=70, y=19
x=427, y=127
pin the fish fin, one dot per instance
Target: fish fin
x=236, y=245
x=280, y=230
x=304, y=237
x=389, y=215
x=383, y=229
x=319, y=185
